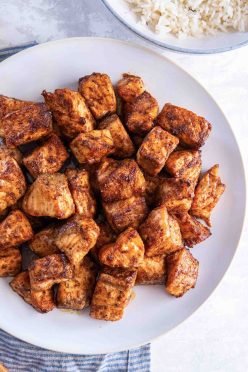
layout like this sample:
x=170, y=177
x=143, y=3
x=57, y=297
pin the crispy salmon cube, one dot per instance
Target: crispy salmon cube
x=79, y=185
x=47, y=158
x=15, y=229
x=27, y=124
x=207, y=194
x=185, y=164
x=47, y=271
x=49, y=196
x=126, y=213
x=159, y=234
x=155, y=149
x=123, y=146
x=112, y=294
x=76, y=237
x=120, y=179
x=21, y=285
x=12, y=182
x=76, y=293
x=10, y=261
x=43, y=243
x=155, y=232
x=193, y=232
x=141, y=113
x=6, y=152
x=191, y=129
x=176, y=194
x=8, y=105
x=127, y=252
x=182, y=272
x=91, y=147
x=176, y=239
x=42, y=301
x=99, y=94
x=130, y=87
x=69, y=111
x=151, y=271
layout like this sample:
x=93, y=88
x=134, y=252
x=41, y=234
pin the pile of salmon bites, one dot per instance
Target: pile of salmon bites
x=106, y=196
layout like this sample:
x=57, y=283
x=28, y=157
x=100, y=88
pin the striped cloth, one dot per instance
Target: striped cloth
x=18, y=356
x=7, y=52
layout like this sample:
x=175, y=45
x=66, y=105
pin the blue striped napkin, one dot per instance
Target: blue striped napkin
x=18, y=356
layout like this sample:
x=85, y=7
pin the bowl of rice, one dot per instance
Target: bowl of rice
x=188, y=26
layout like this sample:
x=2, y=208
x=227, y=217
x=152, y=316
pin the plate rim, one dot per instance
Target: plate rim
x=164, y=45
x=244, y=178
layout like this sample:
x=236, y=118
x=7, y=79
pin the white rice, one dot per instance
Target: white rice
x=192, y=17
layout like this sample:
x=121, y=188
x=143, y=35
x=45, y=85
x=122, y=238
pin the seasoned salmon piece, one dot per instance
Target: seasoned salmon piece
x=92, y=147
x=10, y=261
x=185, y=164
x=43, y=243
x=159, y=233
x=8, y=105
x=141, y=113
x=112, y=293
x=126, y=213
x=155, y=149
x=127, y=252
x=76, y=237
x=130, y=87
x=123, y=146
x=191, y=129
x=47, y=158
x=193, y=232
x=151, y=271
x=49, y=196
x=69, y=111
x=79, y=185
x=76, y=293
x=42, y=301
x=207, y=194
x=181, y=271
x=21, y=285
x=99, y=94
x=15, y=229
x=12, y=182
x=176, y=194
x=176, y=239
x=120, y=179
x=27, y=124
x=47, y=271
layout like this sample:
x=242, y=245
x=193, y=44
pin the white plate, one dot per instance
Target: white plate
x=153, y=312
x=220, y=42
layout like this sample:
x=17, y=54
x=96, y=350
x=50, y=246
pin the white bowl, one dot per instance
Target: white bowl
x=220, y=42
x=153, y=312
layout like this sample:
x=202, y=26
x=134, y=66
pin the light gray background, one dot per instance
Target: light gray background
x=215, y=338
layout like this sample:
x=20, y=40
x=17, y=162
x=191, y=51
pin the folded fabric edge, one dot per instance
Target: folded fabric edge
x=9, y=51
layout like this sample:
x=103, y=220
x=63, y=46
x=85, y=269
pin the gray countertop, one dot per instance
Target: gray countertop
x=215, y=338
